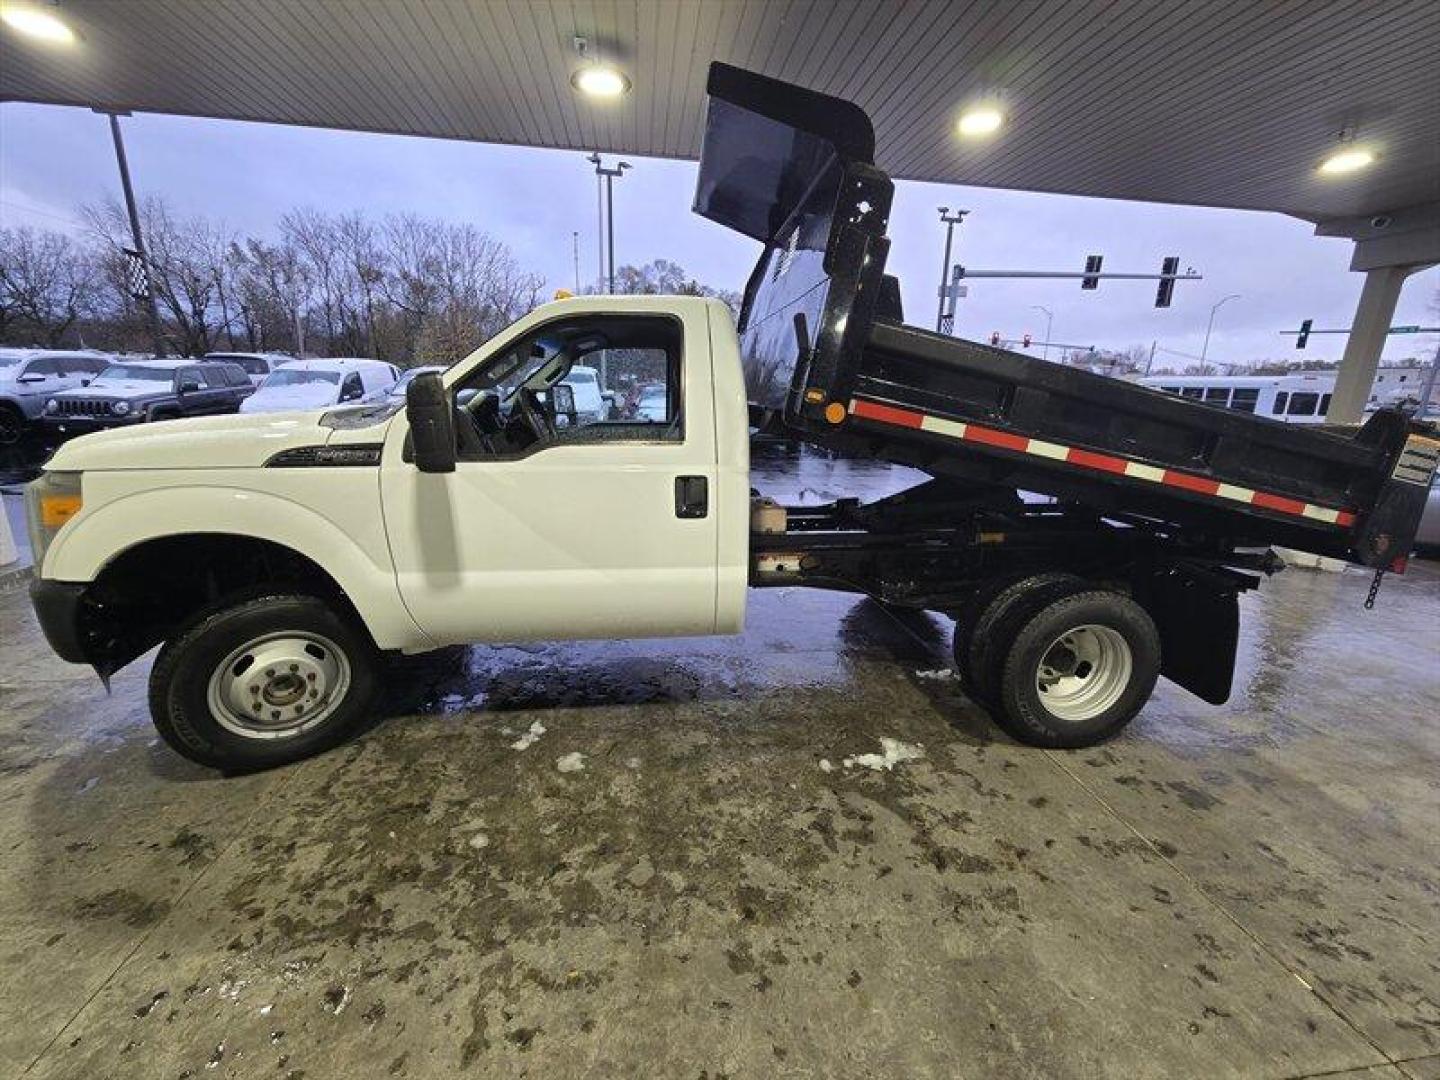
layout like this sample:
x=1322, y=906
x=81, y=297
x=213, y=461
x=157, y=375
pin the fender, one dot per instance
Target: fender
x=105, y=529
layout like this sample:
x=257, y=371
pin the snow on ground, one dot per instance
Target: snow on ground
x=571, y=762
x=892, y=752
x=530, y=737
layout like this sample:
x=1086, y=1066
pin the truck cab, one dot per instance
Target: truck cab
x=324, y=524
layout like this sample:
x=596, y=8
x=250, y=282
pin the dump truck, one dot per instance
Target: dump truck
x=1087, y=535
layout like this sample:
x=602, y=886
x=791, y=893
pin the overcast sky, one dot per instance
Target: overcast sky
x=52, y=159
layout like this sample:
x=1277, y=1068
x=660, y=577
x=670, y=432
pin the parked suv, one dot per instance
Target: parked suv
x=320, y=384
x=256, y=364
x=136, y=391
x=28, y=379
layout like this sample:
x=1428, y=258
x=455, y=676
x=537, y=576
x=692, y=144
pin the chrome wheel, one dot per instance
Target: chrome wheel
x=1084, y=672
x=279, y=685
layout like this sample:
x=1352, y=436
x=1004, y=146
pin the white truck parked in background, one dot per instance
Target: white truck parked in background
x=276, y=556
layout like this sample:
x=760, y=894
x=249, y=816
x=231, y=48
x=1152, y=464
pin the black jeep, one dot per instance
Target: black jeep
x=138, y=391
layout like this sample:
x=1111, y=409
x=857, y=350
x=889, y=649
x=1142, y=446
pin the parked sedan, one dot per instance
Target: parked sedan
x=137, y=391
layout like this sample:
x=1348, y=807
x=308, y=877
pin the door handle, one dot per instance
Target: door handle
x=692, y=496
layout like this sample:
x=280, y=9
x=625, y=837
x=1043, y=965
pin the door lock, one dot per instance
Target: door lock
x=692, y=496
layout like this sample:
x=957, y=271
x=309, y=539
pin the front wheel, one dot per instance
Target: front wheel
x=12, y=425
x=1078, y=670
x=263, y=682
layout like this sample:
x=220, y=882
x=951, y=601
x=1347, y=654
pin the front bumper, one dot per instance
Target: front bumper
x=57, y=609
x=79, y=425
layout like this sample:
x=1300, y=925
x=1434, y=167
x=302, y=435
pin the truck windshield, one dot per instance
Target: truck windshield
x=292, y=377
x=137, y=373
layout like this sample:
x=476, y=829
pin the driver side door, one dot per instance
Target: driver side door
x=590, y=538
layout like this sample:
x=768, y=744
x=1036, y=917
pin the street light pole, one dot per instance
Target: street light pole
x=1205, y=348
x=152, y=308
x=609, y=176
x=1049, y=321
x=950, y=221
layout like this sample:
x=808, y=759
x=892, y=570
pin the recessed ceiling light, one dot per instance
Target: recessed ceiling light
x=1347, y=159
x=980, y=121
x=600, y=81
x=37, y=23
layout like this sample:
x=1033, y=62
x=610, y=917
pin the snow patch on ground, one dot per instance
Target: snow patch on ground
x=530, y=738
x=571, y=762
x=936, y=673
x=479, y=841
x=892, y=753
x=825, y=765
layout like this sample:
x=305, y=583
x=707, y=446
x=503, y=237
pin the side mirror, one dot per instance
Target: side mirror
x=562, y=400
x=189, y=386
x=32, y=377
x=85, y=381
x=432, y=423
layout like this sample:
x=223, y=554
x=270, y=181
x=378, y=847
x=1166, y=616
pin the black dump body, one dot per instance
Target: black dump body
x=828, y=360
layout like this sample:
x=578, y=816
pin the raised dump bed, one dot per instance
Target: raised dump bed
x=828, y=359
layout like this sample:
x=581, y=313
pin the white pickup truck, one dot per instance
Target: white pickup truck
x=276, y=557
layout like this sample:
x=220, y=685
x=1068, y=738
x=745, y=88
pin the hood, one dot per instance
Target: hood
x=208, y=442
x=118, y=389
x=316, y=395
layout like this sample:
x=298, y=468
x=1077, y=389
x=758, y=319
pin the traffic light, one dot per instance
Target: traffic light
x=1169, y=268
x=1026, y=341
x=1092, y=266
x=995, y=338
x=1304, y=335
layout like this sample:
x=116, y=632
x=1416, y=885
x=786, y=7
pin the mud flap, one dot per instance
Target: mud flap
x=1198, y=616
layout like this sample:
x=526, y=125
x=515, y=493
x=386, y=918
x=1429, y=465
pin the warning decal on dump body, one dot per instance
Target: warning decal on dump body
x=1109, y=463
x=1417, y=461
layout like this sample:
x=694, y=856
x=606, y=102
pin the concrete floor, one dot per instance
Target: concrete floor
x=1249, y=891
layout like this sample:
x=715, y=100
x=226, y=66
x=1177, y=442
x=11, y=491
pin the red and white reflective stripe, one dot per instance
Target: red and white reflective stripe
x=1088, y=459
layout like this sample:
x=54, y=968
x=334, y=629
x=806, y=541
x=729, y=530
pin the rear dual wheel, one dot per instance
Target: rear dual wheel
x=1059, y=664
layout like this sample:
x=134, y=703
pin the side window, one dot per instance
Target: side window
x=93, y=365
x=1191, y=391
x=1218, y=395
x=351, y=389
x=45, y=365
x=1325, y=404
x=1281, y=397
x=235, y=375
x=1302, y=404
x=1244, y=399
x=584, y=381
x=189, y=376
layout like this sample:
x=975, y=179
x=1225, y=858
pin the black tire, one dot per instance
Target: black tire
x=180, y=682
x=986, y=641
x=12, y=425
x=1023, y=711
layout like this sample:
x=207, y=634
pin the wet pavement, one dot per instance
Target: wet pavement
x=654, y=859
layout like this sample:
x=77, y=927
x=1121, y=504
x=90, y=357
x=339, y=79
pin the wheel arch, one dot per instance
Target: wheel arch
x=220, y=526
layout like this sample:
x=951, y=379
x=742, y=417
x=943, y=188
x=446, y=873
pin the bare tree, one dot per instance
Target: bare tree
x=187, y=261
x=48, y=283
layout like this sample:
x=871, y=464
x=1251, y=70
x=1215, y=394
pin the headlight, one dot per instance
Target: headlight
x=52, y=406
x=120, y=408
x=50, y=502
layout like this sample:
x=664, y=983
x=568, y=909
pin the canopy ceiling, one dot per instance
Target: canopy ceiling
x=1212, y=102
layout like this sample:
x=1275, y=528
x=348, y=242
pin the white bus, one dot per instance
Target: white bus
x=1291, y=399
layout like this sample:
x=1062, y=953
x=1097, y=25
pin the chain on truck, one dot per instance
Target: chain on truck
x=276, y=560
